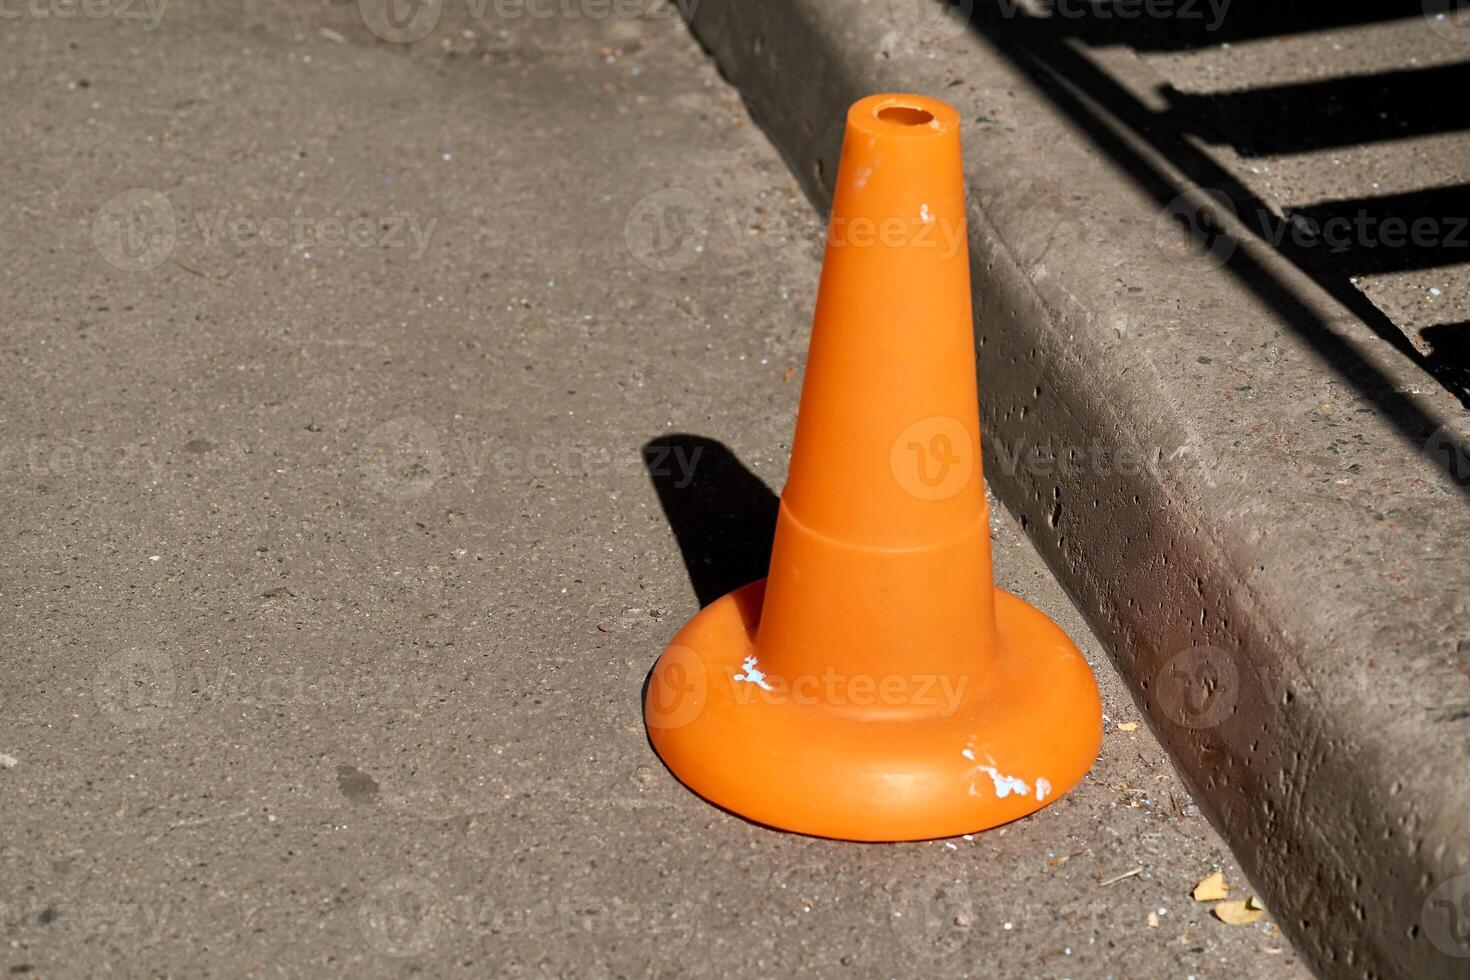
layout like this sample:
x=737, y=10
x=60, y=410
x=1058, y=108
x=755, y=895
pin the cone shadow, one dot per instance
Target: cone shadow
x=723, y=515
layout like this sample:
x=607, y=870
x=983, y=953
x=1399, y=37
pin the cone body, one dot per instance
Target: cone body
x=877, y=686
x=882, y=554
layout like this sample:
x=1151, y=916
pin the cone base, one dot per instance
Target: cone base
x=828, y=756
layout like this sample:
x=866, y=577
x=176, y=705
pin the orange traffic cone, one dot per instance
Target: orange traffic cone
x=877, y=686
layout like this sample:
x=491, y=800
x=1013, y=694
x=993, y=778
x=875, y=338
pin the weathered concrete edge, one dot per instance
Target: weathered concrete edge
x=1345, y=825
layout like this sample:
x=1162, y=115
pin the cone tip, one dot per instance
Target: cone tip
x=902, y=115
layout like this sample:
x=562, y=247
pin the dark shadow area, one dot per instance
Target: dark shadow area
x=1201, y=23
x=723, y=515
x=1449, y=354
x=1330, y=112
x=1099, y=106
x=1394, y=233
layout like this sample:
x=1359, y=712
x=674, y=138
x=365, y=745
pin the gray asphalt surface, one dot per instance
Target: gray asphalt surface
x=334, y=570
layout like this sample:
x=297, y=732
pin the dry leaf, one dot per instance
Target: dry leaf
x=1238, y=913
x=788, y=375
x=1153, y=920
x=1128, y=726
x=1254, y=904
x=1212, y=889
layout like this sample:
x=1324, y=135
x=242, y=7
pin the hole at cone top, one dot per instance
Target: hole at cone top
x=906, y=115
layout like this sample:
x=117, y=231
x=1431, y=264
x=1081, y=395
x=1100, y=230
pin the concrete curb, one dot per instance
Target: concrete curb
x=1227, y=470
